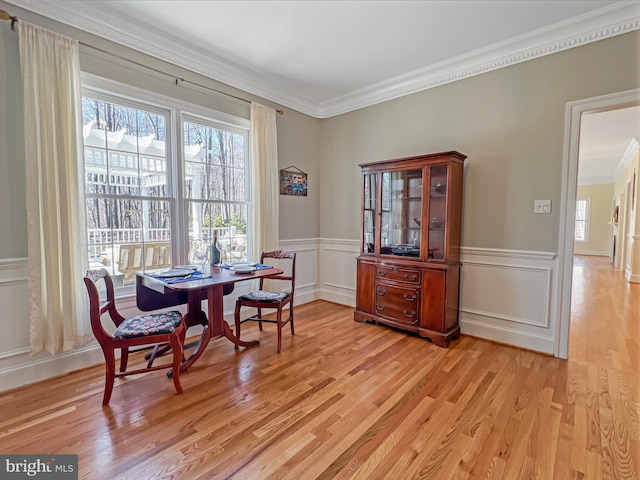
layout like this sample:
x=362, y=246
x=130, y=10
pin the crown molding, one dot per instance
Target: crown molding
x=597, y=25
x=601, y=180
x=627, y=156
x=616, y=19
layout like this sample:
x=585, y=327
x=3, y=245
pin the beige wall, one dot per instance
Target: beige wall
x=600, y=212
x=13, y=234
x=509, y=122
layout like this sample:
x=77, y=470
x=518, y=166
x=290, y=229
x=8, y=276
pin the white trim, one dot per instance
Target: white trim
x=630, y=277
x=13, y=263
x=628, y=155
x=14, y=353
x=546, y=300
x=615, y=19
x=13, y=271
x=34, y=370
x=507, y=318
x=498, y=252
x=507, y=336
x=573, y=113
x=595, y=253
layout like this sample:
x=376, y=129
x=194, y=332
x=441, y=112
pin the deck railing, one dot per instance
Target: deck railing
x=100, y=238
x=123, y=250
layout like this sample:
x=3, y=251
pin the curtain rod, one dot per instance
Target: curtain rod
x=5, y=16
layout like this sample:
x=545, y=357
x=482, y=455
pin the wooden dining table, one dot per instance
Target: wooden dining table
x=212, y=285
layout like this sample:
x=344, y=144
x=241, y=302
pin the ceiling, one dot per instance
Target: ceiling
x=608, y=141
x=325, y=58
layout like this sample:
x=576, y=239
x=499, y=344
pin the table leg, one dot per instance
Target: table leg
x=195, y=316
x=219, y=327
x=214, y=326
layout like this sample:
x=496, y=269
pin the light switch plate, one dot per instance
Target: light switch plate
x=542, y=206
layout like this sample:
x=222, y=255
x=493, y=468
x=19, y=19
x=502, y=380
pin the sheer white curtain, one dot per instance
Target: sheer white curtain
x=57, y=246
x=265, y=180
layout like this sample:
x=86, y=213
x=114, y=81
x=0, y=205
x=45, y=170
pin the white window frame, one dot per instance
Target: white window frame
x=587, y=216
x=178, y=111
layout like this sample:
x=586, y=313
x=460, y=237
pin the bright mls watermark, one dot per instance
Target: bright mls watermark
x=52, y=467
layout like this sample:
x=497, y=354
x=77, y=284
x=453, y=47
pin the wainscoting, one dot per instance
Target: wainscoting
x=510, y=297
x=507, y=296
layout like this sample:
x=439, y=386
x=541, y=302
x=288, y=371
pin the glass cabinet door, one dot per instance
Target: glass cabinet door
x=401, y=213
x=437, y=211
x=369, y=213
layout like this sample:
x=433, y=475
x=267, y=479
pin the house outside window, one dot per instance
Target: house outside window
x=157, y=178
x=581, y=232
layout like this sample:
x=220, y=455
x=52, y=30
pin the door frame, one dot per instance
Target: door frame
x=573, y=114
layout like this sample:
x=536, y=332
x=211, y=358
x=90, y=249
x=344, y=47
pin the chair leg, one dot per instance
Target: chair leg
x=153, y=355
x=291, y=317
x=236, y=316
x=279, y=324
x=124, y=359
x=159, y=352
x=176, y=346
x=260, y=316
x=183, y=336
x=110, y=373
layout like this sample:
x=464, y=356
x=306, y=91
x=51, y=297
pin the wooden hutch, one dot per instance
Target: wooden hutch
x=409, y=263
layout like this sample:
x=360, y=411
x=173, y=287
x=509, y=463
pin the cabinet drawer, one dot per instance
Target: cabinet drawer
x=398, y=274
x=399, y=304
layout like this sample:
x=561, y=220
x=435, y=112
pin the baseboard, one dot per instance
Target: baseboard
x=343, y=298
x=594, y=253
x=46, y=366
x=507, y=336
x=630, y=277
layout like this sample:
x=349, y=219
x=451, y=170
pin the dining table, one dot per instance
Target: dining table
x=210, y=284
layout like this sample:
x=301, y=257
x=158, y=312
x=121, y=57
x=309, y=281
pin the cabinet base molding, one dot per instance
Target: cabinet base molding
x=442, y=339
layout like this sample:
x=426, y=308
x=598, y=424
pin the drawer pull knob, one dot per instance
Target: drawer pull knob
x=409, y=298
x=379, y=308
x=410, y=315
x=381, y=273
x=381, y=291
x=411, y=277
x=394, y=269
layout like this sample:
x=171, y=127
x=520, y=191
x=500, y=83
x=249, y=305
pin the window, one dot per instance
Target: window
x=147, y=196
x=582, y=221
x=215, y=184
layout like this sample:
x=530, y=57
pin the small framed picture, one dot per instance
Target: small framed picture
x=293, y=181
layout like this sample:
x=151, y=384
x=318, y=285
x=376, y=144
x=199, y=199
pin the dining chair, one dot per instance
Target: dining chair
x=279, y=295
x=147, y=329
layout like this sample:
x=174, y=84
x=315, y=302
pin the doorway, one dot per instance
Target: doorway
x=573, y=115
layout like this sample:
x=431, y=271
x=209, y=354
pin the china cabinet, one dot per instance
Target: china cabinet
x=408, y=269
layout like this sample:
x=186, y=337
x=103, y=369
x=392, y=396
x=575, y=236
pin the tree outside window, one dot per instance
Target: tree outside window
x=137, y=220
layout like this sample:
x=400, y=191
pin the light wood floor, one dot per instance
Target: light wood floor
x=360, y=401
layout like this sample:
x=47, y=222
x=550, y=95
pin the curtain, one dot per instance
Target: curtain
x=57, y=245
x=265, y=180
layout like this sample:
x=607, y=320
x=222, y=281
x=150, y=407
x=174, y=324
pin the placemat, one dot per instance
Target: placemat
x=196, y=275
x=259, y=266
